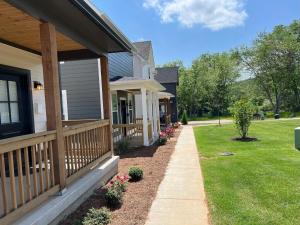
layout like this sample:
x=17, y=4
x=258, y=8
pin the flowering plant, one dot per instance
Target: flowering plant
x=170, y=131
x=120, y=183
x=163, y=137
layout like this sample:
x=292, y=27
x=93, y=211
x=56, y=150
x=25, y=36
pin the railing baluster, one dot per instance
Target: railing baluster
x=46, y=164
x=3, y=183
x=51, y=164
x=20, y=177
x=71, y=153
x=12, y=180
x=75, y=146
x=40, y=169
x=67, y=148
x=27, y=171
x=35, y=185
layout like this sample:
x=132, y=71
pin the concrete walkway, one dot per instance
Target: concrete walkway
x=180, y=199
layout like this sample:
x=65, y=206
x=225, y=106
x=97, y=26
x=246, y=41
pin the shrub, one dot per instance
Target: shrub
x=122, y=146
x=163, y=137
x=170, y=131
x=100, y=216
x=120, y=183
x=135, y=173
x=113, y=197
x=184, y=119
x=243, y=113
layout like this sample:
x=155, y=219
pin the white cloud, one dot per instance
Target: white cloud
x=213, y=14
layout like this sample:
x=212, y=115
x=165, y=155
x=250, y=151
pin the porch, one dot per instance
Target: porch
x=143, y=127
x=50, y=155
x=165, y=111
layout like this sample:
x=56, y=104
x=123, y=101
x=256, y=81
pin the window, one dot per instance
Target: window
x=114, y=98
x=130, y=108
x=9, y=106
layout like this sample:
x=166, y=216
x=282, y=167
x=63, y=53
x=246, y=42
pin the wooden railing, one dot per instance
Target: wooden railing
x=27, y=168
x=27, y=173
x=76, y=122
x=84, y=144
x=130, y=132
x=168, y=119
x=150, y=131
x=138, y=120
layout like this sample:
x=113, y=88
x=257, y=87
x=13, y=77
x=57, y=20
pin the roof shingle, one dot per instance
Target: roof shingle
x=167, y=75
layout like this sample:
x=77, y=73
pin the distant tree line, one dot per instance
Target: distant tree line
x=212, y=84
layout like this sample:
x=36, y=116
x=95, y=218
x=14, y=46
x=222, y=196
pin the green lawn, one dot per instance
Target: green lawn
x=260, y=184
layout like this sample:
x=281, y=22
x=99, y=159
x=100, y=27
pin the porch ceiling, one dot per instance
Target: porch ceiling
x=21, y=30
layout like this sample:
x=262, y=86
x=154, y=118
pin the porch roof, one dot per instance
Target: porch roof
x=163, y=95
x=81, y=28
x=132, y=83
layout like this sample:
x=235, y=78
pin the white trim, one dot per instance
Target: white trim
x=149, y=84
x=100, y=88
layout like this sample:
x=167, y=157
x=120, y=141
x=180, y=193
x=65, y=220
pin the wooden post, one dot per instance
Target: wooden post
x=52, y=97
x=106, y=97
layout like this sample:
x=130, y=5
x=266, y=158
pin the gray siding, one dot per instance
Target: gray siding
x=81, y=80
x=120, y=64
x=172, y=88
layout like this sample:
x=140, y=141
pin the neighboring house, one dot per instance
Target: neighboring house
x=130, y=75
x=135, y=99
x=168, y=77
x=41, y=155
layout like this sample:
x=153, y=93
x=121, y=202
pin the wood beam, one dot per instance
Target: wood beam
x=52, y=97
x=77, y=55
x=106, y=97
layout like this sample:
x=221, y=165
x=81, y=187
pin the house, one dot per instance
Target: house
x=46, y=164
x=135, y=99
x=168, y=77
x=131, y=74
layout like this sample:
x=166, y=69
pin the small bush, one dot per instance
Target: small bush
x=243, y=114
x=135, y=173
x=184, y=119
x=122, y=147
x=100, y=216
x=113, y=197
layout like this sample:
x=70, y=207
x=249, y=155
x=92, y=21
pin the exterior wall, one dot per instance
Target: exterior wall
x=14, y=57
x=120, y=64
x=171, y=88
x=81, y=80
x=137, y=66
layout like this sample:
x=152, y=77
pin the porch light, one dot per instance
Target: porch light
x=37, y=85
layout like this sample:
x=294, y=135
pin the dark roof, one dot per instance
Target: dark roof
x=167, y=75
x=143, y=48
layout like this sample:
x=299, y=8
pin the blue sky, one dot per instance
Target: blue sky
x=185, y=29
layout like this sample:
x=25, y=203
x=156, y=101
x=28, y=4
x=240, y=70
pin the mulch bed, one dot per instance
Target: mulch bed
x=247, y=139
x=138, y=198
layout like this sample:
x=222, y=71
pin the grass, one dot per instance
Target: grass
x=260, y=184
x=205, y=118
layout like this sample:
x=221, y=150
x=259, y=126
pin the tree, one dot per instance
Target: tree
x=242, y=111
x=274, y=62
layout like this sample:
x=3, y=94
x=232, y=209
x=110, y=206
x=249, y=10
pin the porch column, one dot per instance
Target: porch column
x=106, y=98
x=52, y=97
x=155, y=116
x=145, y=116
x=158, y=114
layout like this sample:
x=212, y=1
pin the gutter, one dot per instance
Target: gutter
x=101, y=21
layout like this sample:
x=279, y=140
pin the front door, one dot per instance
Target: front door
x=15, y=103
